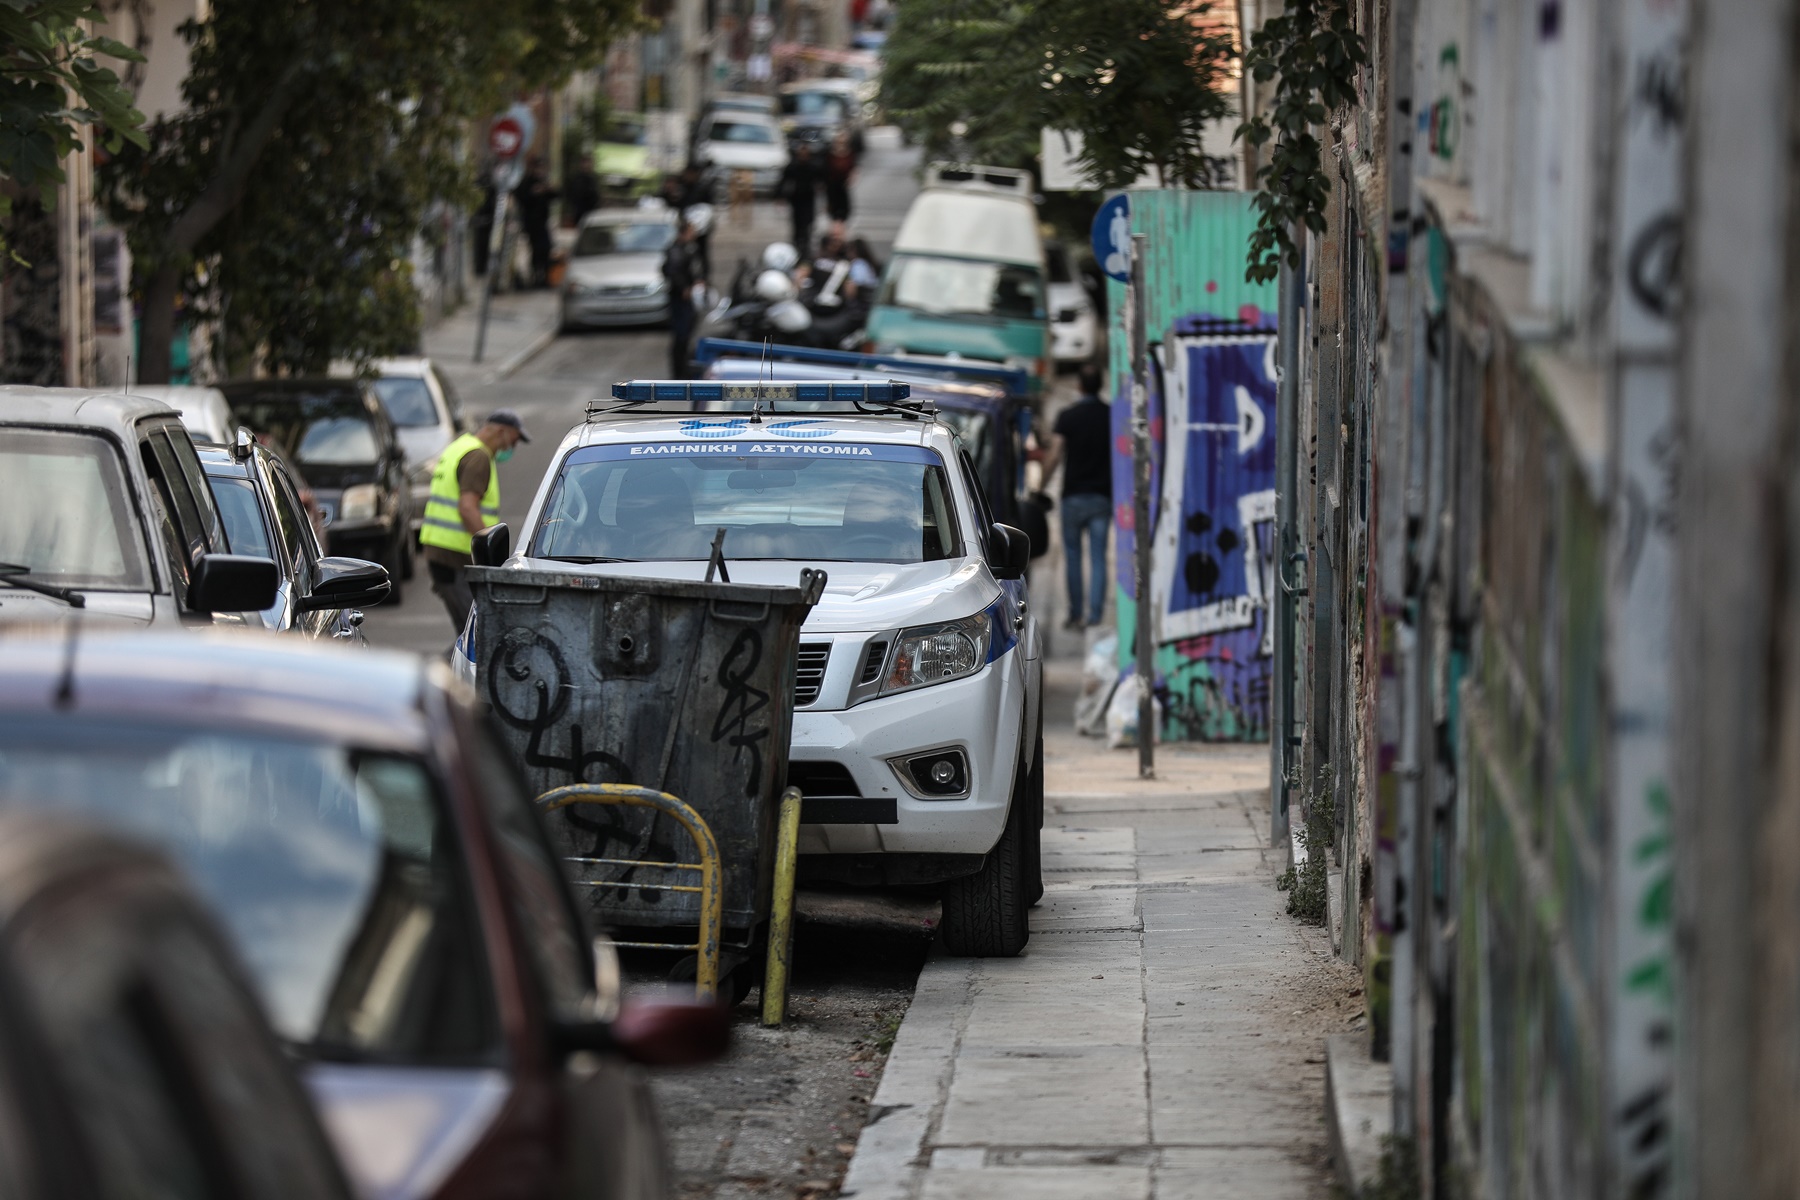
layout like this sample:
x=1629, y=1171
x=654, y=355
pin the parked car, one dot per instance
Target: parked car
x=731, y=142
x=427, y=414
x=967, y=273
x=1074, y=326
x=134, y=1060
x=260, y=504
x=338, y=436
x=917, y=736
x=372, y=856
x=203, y=409
x=106, y=509
x=814, y=110
x=622, y=159
x=615, y=268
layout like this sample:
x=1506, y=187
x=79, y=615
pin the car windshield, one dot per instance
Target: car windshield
x=641, y=237
x=964, y=287
x=741, y=131
x=325, y=428
x=826, y=106
x=408, y=401
x=808, y=501
x=336, y=872
x=69, y=516
x=624, y=133
x=242, y=513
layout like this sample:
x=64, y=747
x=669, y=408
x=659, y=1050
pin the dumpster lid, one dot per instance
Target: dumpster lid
x=810, y=588
x=662, y=396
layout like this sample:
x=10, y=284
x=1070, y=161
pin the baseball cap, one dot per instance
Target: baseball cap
x=511, y=419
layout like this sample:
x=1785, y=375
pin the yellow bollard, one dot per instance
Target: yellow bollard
x=781, y=910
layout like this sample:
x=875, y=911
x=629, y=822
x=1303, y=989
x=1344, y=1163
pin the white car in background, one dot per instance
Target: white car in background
x=1074, y=325
x=427, y=415
x=918, y=725
x=743, y=141
x=615, y=268
x=204, y=412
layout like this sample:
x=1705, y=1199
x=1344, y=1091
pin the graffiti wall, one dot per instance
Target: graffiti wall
x=1212, y=425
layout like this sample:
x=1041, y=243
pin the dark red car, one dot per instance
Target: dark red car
x=387, y=883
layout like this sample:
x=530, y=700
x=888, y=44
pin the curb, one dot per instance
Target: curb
x=1359, y=1101
x=914, y=1085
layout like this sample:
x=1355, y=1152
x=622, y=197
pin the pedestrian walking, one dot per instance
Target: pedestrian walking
x=465, y=499
x=800, y=188
x=581, y=192
x=535, y=196
x=839, y=173
x=1081, y=441
x=679, y=273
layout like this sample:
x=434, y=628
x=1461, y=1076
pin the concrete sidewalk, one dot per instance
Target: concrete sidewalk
x=1164, y=1033
x=520, y=324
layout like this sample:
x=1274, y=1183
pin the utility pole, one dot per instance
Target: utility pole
x=1140, y=492
x=1282, y=607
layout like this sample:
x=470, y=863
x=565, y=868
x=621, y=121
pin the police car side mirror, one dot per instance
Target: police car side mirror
x=1009, y=551
x=490, y=547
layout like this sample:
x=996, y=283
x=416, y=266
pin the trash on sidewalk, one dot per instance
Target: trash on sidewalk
x=1122, y=714
x=1099, y=676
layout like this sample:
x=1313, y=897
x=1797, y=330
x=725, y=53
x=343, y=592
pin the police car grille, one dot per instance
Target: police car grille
x=809, y=677
x=872, y=662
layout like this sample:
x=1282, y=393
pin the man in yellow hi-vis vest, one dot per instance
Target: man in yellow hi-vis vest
x=465, y=499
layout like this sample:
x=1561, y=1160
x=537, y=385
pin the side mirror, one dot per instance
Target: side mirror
x=347, y=583
x=1009, y=550
x=663, y=1032
x=232, y=583
x=491, y=545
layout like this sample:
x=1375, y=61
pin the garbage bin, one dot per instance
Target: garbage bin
x=684, y=687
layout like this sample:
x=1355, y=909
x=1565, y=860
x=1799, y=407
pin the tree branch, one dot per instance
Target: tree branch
x=227, y=184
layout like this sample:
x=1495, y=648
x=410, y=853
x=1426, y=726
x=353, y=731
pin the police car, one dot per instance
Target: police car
x=917, y=737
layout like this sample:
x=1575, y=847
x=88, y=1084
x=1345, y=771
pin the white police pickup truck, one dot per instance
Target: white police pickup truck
x=917, y=707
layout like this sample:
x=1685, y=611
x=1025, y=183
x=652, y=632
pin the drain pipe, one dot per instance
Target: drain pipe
x=1282, y=603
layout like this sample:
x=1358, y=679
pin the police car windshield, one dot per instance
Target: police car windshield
x=807, y=501
x=69, y=517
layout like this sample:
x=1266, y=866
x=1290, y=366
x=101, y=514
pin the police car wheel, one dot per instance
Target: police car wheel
x=1034, y=824
x=986, y=915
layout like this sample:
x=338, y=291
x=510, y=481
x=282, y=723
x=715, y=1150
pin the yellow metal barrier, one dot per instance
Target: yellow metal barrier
x=781, y=910
x=706, y=974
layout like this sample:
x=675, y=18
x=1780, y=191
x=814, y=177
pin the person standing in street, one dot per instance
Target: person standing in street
x=1081, y=441
x=581, y=192
x=839, y=174
x=678, y=273
x=800, y=188
x=697, y=189
x=465, y=499
x=535, y=196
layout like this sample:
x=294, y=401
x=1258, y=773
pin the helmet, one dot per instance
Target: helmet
x=775, y=286
x=780, y=256
x=790, y=316
x=700, y=216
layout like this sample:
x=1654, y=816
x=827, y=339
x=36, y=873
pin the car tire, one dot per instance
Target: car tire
x=396, y=560
x=404, y=546
x=986, y=915
x=1034, y=823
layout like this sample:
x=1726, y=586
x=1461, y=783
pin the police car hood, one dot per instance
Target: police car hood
x=859, y=597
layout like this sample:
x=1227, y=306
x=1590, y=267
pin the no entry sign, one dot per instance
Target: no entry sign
x=506, y=137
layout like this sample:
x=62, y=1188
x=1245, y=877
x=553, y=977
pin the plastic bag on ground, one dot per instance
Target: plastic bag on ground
x=1122, y=714
x=1099, y=676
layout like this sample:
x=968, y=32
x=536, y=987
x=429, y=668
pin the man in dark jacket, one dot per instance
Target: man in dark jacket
x=800, y=188
x=678, y=273
x=534, y=197
x=1082, y=439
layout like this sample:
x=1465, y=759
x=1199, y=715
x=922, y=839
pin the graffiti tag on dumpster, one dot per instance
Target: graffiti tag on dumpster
x=526, y=657
x=740, y=702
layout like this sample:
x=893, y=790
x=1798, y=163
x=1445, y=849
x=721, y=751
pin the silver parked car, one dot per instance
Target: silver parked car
x=615, y=270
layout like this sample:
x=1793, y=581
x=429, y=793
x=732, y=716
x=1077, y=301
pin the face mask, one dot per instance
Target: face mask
x=503, y=455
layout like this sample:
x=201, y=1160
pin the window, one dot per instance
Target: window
x=338, y=442
x=643, y=238
x=296, y=529
x=743, y=132
x=408, y=401
x=819, y=503
x=337, y=873
x=244, y=526
x=945, y=286
x=69, y=515
x=193, y=526
x=978, y=497
x=536, y=886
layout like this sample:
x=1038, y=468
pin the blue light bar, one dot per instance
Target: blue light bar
x=670, y=391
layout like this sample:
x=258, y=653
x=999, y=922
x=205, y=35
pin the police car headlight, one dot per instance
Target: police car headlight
x=360, y=503
x=931, y=654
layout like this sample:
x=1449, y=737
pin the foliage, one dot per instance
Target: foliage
x=1138, y=79
x=1306, y=883
x=1313, y=51
x=315, y=136
x=1397, y=1173
x=50, y=86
